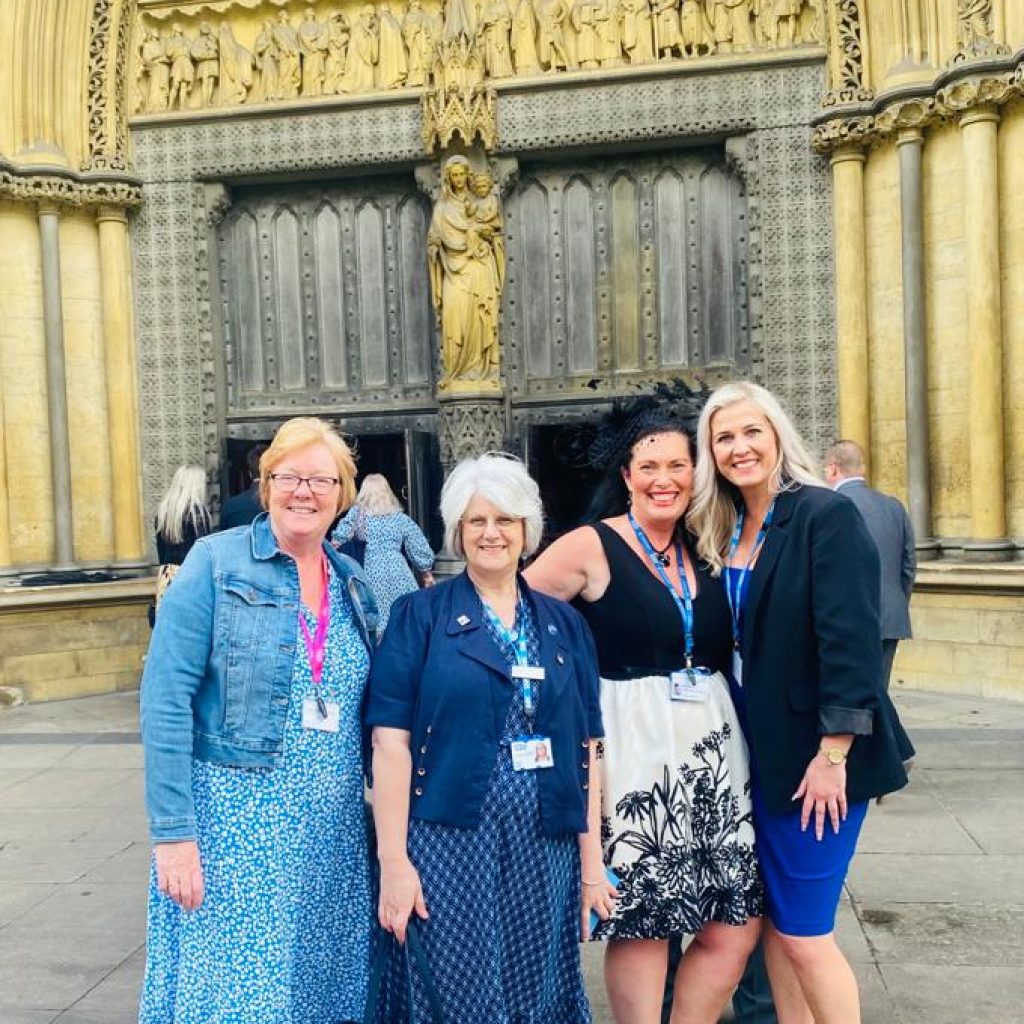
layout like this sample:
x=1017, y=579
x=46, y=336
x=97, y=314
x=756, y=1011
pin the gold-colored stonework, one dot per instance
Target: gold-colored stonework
x=198, y=54
x=466, y=260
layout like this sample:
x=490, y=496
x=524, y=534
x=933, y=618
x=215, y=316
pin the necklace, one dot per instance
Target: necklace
x=662, y=555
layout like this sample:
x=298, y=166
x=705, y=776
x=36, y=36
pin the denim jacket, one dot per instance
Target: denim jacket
x=219, y=667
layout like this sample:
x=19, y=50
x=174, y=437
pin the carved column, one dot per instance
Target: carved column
x=911, y=143
x=851, y=295
x=979, y=134
x=122, y=401
x=56, y=388
x=468, y=427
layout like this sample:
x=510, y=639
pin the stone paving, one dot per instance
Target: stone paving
x=933, y=918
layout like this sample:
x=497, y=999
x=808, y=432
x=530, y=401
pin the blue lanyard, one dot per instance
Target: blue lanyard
x=684, y=604
x=516, y=639
x=736, y=582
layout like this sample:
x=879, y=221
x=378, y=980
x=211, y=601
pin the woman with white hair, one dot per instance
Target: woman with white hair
x=801, y=574
x=484, y=709
x=395, y=545
x=181, y=519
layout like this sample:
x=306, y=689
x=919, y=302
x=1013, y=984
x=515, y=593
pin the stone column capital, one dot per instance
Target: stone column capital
x=986, y=113
x=849, y=153
x=107, y=212
x=47, y=207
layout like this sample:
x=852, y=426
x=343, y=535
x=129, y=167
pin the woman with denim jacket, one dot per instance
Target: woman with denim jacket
x=484, y=708
x=259, y=903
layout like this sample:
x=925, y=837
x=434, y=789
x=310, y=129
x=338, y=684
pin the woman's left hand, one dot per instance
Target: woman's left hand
x=823, y=788
x=599, y=899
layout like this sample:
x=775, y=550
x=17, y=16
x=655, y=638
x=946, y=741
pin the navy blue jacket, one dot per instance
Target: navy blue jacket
x=440, y=676
x=812, y=650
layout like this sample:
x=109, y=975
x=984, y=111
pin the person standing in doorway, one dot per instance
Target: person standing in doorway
x=889, y=525
x=241, y=509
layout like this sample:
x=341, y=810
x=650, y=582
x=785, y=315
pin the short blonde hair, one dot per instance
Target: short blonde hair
x=301, y=432
x=712, y=513
x=502, y=480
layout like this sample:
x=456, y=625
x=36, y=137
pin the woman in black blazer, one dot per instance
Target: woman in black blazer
x=801, y=573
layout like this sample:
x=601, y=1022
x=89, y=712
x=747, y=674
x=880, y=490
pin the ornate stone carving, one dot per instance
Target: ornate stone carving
x=846, y=56
x=974, y=35
x=69, y=191
x=107, y=130
x=466, y=261
x=977, y=91
x=469, y=428
x=459, y=105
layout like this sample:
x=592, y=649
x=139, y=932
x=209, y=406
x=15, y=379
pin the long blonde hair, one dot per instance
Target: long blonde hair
x=712, y=512
x=375, y=496
x=185, y=501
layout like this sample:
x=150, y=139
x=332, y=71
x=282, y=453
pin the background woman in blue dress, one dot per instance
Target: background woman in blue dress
x=259, y=903
x=484, y=708
x=395, y=545
x=801, y=574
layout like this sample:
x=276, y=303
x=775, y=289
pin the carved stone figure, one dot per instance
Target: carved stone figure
x=974, y=27
x=363, y=53
x=495, y=25
x=235, y=67
x=286, y=52
x=337, y=45
x=205, y=53
x=420, y=32
x=459, y=21
x=551, y=16
x=730, y=23
x=588, y=43
x=524, y=39
x=313, y=48
x=637, y=31
x=485, y=209
x=785, y=16
x=464, y=280
x=609, y=19
x=265, y=58
x=667, y=41
x=763, y=21
x=156, y=67
x=392, y=64
x=695, y=30
x=183, y=74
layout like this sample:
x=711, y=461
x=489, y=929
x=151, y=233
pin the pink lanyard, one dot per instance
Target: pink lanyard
x=316, y=643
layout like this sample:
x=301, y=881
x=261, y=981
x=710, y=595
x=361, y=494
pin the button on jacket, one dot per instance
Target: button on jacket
x=440, y=676
x=219, y=666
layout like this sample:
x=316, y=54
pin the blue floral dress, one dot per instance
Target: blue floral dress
x=502, y=939
x=393, y=543
x=283, y=934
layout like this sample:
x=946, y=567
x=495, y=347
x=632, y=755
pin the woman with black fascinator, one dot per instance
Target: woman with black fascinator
x=676, y=816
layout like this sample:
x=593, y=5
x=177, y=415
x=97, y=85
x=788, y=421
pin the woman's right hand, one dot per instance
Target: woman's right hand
x=400, y=894
x=179, y=874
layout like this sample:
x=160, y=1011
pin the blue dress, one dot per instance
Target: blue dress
x=503, y=934
x=283, y=934
x=393, y=543
x=803, y=877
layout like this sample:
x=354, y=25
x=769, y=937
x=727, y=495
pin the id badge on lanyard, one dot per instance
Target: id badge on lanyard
x=317, y=713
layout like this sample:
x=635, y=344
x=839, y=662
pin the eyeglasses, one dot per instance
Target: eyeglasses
x=289, y=482
x=477, y=524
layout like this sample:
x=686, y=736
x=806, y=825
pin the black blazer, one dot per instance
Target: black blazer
x=812, y=650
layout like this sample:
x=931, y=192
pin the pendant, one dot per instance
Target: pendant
x=664, y=558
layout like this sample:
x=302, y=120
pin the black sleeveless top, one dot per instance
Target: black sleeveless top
x=637, y=626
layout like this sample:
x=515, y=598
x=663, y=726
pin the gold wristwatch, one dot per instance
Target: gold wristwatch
x=834, y=755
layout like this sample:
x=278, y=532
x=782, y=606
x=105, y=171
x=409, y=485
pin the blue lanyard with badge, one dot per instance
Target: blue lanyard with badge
x=692, y=683
x=737, y=582
x=531, y=751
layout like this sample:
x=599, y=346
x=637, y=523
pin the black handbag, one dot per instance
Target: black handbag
x=388, y=947
x=354, y=548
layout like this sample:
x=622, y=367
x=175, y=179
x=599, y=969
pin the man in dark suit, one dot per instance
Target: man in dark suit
x=889, y=525
x=243, y=508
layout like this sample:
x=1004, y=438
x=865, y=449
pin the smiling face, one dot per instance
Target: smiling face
x=659, y=478
x=491, y=539
x=744, y=446
x=300, y=517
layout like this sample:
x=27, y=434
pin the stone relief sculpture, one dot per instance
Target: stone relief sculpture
x=466, y=275
x=363, y=53
x=183, y=73
x=288, y=57
x=974, y=35
x=313, y=40
x=205, y=53
x=637, y=31
x=235, y=67
x=458, y=44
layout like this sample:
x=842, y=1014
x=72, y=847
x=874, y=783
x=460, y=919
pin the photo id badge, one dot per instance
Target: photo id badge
x=312, y=719
x=532, y=752
x=690, y=684
x=535, y=672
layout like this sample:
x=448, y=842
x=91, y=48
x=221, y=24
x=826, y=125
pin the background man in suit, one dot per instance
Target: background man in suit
x=243, y=508
x=888, y=523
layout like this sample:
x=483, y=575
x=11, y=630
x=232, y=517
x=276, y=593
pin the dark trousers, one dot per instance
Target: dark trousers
x=752, y=1003
x=888, y=655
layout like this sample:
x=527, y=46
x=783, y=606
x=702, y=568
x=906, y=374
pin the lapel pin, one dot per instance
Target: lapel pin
x=552, y=628
x=559, y=658
x=463, y=620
